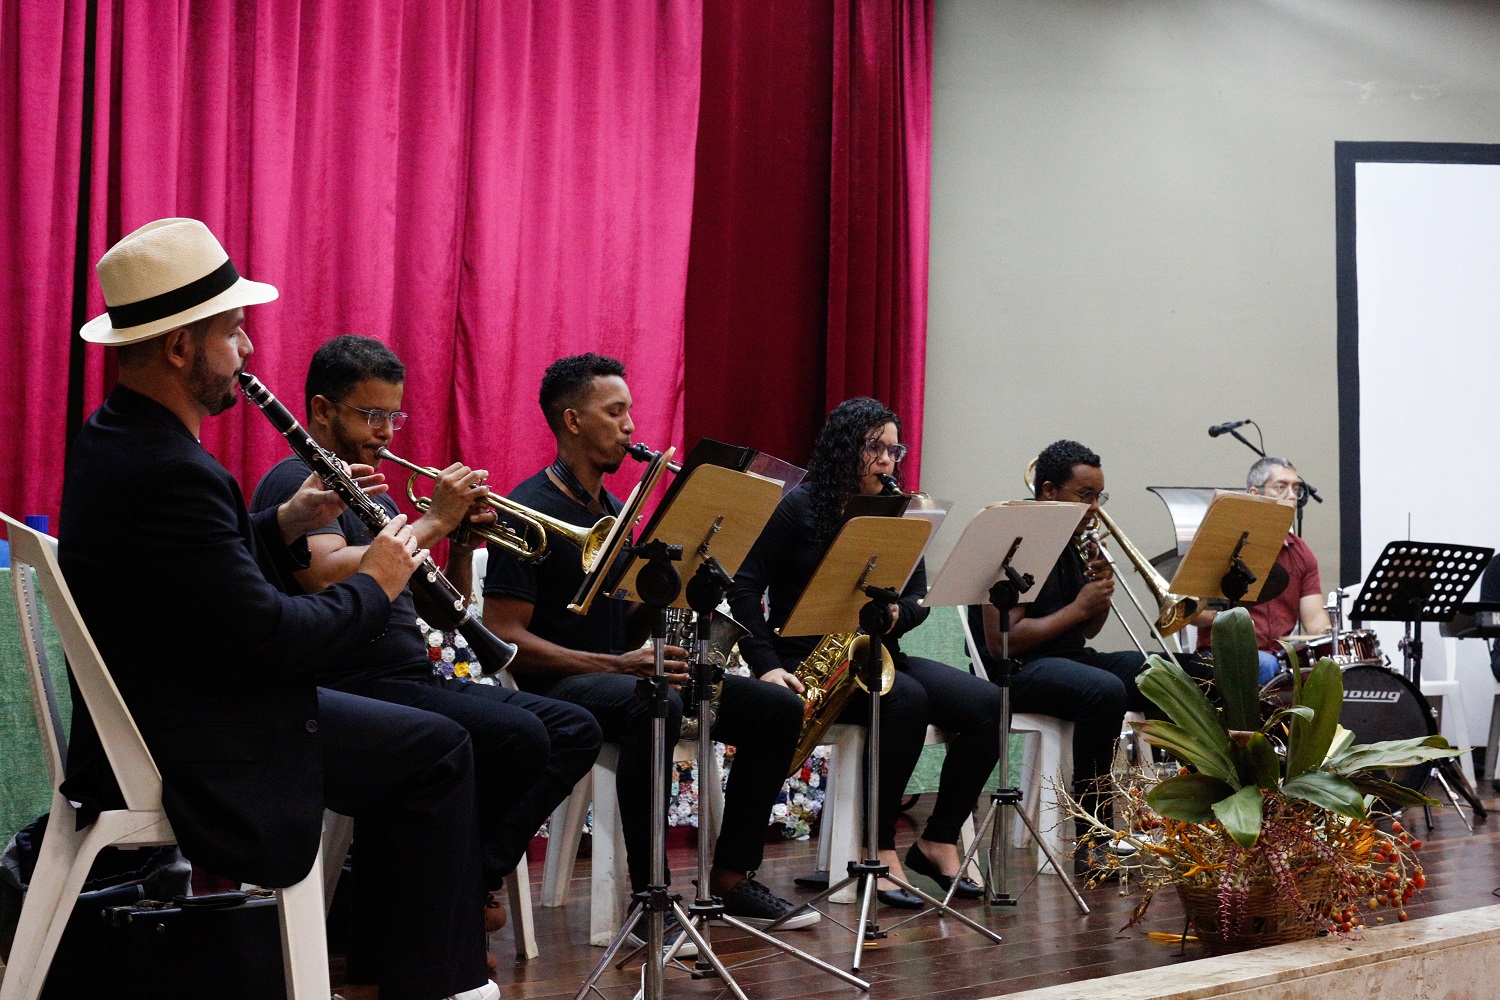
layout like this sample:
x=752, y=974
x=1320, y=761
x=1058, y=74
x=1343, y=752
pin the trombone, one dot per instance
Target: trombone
x=1174, y=611
x=530, y=542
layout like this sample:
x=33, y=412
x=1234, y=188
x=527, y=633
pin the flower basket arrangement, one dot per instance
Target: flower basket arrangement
x=1268, y=830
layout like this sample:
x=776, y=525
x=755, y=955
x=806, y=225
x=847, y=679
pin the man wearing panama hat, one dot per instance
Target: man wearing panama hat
x=182, y=590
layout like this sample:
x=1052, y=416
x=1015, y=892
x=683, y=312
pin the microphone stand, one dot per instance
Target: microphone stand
x=1309, y=491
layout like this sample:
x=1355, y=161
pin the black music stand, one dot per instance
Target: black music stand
x=708, y=525
x=1416, y=582
x=858, y=579
x=1003, y=551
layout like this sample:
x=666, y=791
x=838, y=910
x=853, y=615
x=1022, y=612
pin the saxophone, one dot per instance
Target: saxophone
x=829, y=678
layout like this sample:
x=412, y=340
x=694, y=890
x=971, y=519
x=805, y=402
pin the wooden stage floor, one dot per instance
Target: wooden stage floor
x=1046, y=940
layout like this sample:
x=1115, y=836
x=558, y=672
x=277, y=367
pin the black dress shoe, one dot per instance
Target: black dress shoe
x=817, y=880
x=899, y=898
x=922, y=865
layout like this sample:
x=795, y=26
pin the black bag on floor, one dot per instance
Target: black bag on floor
x=226, y=945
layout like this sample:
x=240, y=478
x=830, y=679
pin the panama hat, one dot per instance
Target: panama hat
x=167, y=274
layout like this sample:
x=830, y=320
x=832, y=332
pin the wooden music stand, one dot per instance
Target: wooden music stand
x=1235, y=547
x=867, y=552
x=711, y=511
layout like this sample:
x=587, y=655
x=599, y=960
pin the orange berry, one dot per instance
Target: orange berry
x=1402, y=916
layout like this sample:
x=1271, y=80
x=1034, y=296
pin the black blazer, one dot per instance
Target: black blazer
x=177, y=584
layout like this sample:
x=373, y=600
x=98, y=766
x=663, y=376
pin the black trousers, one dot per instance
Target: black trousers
x=967, y=708
x=759, y=719
x=529, y=752
x=407, y=778
x=1093, y=690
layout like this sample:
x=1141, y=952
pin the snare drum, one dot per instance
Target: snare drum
x=1359, y=645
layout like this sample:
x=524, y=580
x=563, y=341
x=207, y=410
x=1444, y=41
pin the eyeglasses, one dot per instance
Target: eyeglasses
x=874, y=447
x=376, y=417
x=1294, y=490
x=1087, y=496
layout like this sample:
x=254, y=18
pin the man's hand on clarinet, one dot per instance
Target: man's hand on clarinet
x=313, y=507
x=392, y=556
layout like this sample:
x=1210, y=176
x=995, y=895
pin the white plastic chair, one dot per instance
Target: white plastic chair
x=67, y=852
x=842, y=824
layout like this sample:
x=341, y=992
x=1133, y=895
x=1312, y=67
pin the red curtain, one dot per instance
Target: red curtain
x=808, y=277
x=41, y=115
x=484, y=186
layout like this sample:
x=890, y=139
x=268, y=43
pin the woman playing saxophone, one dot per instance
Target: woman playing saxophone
x=859, y=444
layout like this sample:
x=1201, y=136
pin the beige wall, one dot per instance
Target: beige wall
x=1133, y=228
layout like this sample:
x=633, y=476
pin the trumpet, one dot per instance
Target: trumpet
x=1174, y=611
x=530, y=542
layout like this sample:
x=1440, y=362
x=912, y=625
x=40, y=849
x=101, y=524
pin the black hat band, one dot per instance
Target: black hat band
x=132, y=314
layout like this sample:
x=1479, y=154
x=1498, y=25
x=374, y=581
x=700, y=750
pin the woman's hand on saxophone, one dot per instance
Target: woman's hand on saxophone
x=785, y=678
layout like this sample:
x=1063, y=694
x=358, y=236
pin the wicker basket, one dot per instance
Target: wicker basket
x=1265, y=918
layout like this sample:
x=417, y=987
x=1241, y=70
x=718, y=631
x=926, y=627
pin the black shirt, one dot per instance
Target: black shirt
x=782, y=561
x=551, y=583
x=400, y=650
x=1062, y=585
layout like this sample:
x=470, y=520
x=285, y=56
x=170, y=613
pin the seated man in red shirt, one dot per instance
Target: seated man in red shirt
x=1298, y=607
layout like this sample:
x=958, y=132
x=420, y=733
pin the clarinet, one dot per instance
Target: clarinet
x=438, y=601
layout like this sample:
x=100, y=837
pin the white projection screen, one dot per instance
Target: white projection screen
x=1419, y=368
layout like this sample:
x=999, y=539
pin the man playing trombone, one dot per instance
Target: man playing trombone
x=529, y=751
x=1060, y=675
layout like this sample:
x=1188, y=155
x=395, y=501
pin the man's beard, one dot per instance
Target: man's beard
x=213, y=394
x=609, y=468
x=350, y=450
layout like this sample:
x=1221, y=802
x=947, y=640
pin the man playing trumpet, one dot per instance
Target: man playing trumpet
x=529, y=751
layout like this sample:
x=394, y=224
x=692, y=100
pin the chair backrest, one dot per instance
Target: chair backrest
x=44, y=702
x=135, y=771
x=969, y=645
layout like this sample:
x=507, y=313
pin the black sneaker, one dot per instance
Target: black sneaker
x=671, y=931
x=759, y=907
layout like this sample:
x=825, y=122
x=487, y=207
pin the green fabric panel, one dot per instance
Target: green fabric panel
x=25, y=787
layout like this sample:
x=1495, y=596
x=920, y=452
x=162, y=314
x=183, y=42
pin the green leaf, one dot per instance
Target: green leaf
x=1329, y=791
x=1390, y=754
x=1178, y=695
x=1286, y=714
x=1190, y=750
x=1265, y=766
x=1310, y=740
x=1241, y=814
x=1237, y=668
x=1295, y=665
x=1393, y=795
x=1188, y=797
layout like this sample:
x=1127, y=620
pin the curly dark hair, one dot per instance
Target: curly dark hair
x=1055, y=463
x=567, y=379
x=838, y=460
x=343, y=362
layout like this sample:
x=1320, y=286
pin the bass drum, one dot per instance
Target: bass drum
x=1378, y=705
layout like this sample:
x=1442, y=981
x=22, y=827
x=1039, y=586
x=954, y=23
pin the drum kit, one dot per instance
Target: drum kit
x=1380, y=702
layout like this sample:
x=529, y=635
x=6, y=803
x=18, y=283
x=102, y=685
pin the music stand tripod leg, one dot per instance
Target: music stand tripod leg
x=1005, y=595
x=658, y=588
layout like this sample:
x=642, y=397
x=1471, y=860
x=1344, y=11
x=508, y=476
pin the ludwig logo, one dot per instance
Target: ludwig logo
x=1376, y=696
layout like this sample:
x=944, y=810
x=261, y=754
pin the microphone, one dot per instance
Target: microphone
x=1218, y=429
